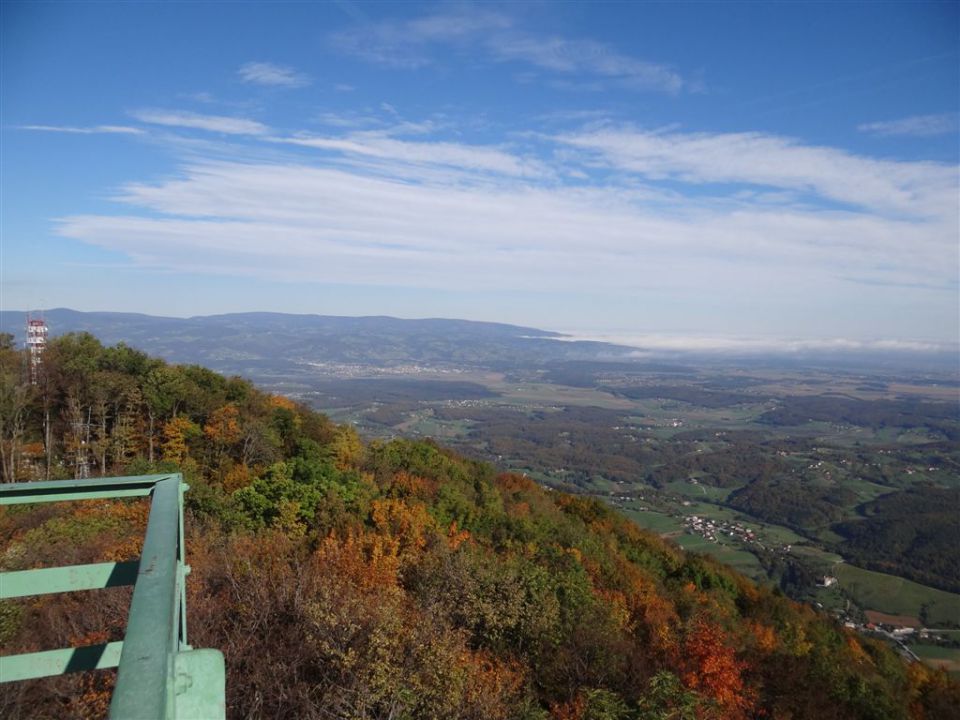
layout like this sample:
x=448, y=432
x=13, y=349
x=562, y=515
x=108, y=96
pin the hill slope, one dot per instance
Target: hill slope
x=398, y=579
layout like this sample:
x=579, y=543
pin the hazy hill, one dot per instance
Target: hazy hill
x=258, y=343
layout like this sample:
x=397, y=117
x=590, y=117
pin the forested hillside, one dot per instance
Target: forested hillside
x=397, y=579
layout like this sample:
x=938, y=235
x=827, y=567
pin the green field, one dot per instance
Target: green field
x=654, y=521
x=896, y=596
x=947, y=658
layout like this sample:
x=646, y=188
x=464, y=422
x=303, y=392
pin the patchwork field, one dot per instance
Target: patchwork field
x=788, y=455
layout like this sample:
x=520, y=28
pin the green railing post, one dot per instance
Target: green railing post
x=144, y=677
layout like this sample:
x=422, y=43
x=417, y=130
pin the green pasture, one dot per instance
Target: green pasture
x=653, y=521
x=700, y=491
x=826, y=560
x=897, y=596
x=547, y=394
x=428, y=426
x=865, y=490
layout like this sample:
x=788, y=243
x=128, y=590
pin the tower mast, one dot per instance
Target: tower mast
x=36, y=343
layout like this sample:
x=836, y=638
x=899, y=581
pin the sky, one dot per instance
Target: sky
x=684, y=172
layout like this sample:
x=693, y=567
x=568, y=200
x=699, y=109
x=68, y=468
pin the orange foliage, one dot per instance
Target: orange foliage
x=236, y=477
x=570, y=710
x=491, y=678
x=33, y=449
x=405, y=484
x=124, y=512
x=130, y=517
x=765, y=636
x=513, y=483
x=711, y=667
x=602, y=526
x=223, y=426
x=617, y=602
x=279, y=401
x=407, y=523
x=660, y=616
x=592, y=568
x=856, y=649
x=456, y=538
x=370, y=561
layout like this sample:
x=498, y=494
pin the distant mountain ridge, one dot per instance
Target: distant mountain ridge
x=257, y=342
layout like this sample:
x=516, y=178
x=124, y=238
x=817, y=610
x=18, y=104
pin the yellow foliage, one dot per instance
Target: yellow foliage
x=347, y=447
x=288, y=519
x=175, y=434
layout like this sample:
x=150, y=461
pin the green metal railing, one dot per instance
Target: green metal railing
x=158, y=674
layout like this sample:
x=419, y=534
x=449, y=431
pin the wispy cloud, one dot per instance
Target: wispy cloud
x=91, y=130
x=457, y=155
x=915, y=126
x=884, y=186
x=298, y=221
x=265, y=73
x=496, y=36
x=211, y=123
x=407, y=44
x=585, y=57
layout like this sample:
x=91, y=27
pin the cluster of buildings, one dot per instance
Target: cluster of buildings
x=710, y=529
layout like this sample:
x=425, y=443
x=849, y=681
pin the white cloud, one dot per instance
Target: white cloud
x=264, y=73
x=915, y=126
x=465, y=157
x=212, y=123
x=409, y=44
x=884, y=186
x=92, y=130
x=297, y=222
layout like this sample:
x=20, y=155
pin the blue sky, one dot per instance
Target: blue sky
x=690, y=174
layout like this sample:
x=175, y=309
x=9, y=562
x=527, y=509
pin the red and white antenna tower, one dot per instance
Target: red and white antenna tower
x=36, y=343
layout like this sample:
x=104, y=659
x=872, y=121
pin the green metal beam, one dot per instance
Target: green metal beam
x=87, y=489
x=144, y=681
x=67, y=579
x=57, y=662
x=159, y=676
